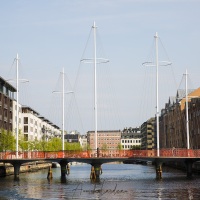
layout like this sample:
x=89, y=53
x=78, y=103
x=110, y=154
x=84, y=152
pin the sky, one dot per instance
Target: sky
x=51, y=35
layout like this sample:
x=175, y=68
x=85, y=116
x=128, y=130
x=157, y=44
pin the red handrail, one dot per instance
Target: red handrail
x=168, y=153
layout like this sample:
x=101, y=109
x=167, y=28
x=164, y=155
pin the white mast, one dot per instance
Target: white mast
x=186, y=109
x=17, y=83
x=63, y=108
x=157, y=64
x=94, y=61
x=157, y=102
x=95, y=86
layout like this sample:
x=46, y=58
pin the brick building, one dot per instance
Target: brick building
x=173, y=121
x=6, y=105
x=105, y=139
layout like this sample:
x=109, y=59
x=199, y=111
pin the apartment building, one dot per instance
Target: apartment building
x=131, y=138
x=33, y=126
x=148, y=134
x=109, y=140
x=6, y=106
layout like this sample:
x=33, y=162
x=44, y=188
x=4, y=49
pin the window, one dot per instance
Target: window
x=25, y=129
x=25, y=120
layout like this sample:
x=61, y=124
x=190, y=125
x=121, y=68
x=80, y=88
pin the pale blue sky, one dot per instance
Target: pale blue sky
x=49, y=35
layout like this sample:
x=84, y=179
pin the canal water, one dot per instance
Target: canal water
x=118, y=181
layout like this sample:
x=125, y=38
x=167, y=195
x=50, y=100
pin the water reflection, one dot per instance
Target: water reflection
x=117, y=182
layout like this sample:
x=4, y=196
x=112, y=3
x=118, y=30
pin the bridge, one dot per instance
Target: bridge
x=98, y=157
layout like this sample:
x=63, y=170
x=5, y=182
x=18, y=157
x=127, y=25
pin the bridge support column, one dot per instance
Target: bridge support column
x=96, y=171
x=189, y=168
x=63, y=169
x=50, y=174
x=158, y=170
x=16, y=170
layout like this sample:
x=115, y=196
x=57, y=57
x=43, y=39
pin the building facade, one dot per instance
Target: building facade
x=173, y=131
x=107, y=140
x=6, y=105
x=72, y=137
x=148, y=134
x=131, y=138
x=33, y=126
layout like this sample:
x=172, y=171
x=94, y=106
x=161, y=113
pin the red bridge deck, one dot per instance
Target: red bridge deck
x=164, y=153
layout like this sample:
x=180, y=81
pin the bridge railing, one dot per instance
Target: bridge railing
x=113, y=153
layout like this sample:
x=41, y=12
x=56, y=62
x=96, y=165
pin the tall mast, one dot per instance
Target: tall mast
x=157, y=102
x=63, y=108
x=95, y=85
x=186, y=110
x=17, y=83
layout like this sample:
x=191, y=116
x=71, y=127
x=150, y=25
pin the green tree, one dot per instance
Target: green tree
x=136, y=147
x=55, y=144
x=73, y=146
x=7, y=141
x=119, y=146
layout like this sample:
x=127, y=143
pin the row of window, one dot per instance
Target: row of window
x=127, y=146
x=131, y=141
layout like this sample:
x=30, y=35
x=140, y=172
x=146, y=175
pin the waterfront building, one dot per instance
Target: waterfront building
x=173, y=121
x=148, y=134
x=6, y=105
x=131, y=138
x=14, y=120
x=107, y=140
x=33, y=126
x=36, y=127
x=194, y=122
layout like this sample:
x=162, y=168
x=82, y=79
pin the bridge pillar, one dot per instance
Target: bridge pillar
x=189, y=167
x=96, y=171
x=16, y=166
x=63, y=168
x=158, y=170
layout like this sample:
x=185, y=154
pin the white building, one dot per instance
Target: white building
x=129, y=143
x=32, y=126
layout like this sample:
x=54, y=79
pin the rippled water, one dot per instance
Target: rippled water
x=118, y=181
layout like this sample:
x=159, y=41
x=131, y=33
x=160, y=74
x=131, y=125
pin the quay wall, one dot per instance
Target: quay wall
x=8, y=169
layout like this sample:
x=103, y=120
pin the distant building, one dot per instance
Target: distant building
x=108, y=140
x=148, y=134
x=131, y=138
x=6, y=104
x=72, y=137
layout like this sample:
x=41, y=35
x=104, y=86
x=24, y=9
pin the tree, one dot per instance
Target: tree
x=75, y=146
x=119, y=146
x=55, y=144
x=7, y=141
x=136, y=147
